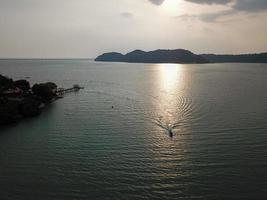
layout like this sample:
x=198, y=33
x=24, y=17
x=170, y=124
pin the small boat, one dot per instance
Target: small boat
x=170, y=133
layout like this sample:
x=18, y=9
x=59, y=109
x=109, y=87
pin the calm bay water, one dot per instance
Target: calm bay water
x=82, y=148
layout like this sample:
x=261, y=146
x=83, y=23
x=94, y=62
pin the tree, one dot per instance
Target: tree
x=45, y=90
x=24, y=85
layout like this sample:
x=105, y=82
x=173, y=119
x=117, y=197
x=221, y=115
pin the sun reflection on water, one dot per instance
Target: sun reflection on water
x=170, y=76
x=169, y=84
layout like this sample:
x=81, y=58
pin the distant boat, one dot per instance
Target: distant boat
x=168, y=127
x=170, y=133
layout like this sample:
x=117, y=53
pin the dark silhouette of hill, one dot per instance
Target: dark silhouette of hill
x=110, y=57
x=243, y=58
x=180, y=56
x=157, y=56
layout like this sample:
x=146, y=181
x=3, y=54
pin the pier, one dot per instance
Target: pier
x=61, y=91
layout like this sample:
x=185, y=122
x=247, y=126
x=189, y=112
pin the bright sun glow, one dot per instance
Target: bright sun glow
x=172, y=6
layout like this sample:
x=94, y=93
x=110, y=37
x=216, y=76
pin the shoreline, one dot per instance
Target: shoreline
x=20, y=100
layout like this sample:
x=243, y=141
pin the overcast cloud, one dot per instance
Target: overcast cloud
x=86, y=28
x=157, y=2
x=210, y=1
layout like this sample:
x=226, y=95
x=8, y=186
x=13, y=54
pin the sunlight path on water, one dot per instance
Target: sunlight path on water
x=170, y=77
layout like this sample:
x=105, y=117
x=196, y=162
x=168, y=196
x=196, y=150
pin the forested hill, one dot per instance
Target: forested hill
x=157, y=56
x=243, y=58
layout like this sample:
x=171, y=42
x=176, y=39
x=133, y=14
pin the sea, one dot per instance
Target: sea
x=112, y=140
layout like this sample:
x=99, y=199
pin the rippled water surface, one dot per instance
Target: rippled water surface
x=83, y=148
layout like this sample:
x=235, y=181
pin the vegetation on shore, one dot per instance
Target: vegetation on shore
x=157, y=56
x=242, y=58
x=19, y=100
x=180, y=56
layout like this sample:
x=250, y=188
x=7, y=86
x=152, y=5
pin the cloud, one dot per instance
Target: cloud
x=247, y=6
x=127, y=15
x=250, y=5
x=207, y=17
x=210, y=1
x=157, y=2
x=186, y=17
x=237, y=6
x=213, y=17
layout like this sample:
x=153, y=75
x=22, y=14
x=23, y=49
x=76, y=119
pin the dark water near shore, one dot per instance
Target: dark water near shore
x=82, y=148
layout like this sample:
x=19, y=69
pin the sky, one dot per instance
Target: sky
x=87, y=28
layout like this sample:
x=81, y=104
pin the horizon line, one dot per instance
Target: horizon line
x=36, y=58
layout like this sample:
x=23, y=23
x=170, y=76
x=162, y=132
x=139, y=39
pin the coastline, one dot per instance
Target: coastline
x=18, y=100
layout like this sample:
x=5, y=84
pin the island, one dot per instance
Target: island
x=181, y=56
x=242, y=58
x=157, y=56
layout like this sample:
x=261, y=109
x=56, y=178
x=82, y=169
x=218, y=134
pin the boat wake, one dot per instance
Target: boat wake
x=168, y=127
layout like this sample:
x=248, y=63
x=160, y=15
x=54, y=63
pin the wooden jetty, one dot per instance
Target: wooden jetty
x=61, y=91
